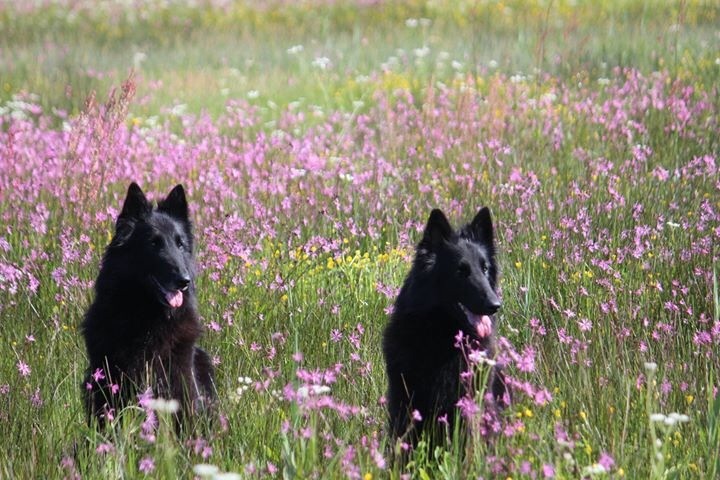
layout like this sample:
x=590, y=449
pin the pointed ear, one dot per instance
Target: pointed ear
x=135, y=208
x=437, y=230
x=482, y=228
x=175, y=204
x=136, y=205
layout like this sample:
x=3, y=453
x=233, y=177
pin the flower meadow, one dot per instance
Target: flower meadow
x=604, y=183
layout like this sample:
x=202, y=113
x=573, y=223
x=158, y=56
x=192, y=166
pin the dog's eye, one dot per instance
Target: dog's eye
x=157, y=242
x=179, y=242
x=464, y=269
x=485, y=269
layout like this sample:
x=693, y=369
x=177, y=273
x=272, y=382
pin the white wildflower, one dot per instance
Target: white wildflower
x=178, y=109
x=227, y=476
x=312, y=390
x=205, y=470
x=595, y=469
x=679, y=417
x=164, y=406
x=138, y=59
x=323, y=63
x=657, y=417
x=421, y=52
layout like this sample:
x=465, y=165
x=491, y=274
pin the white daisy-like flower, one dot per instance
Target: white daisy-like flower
x=312, y=390
x=657, y=417
x=679, y=417
x=205, y=470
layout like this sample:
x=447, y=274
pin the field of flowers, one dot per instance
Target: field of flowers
x=314, y=138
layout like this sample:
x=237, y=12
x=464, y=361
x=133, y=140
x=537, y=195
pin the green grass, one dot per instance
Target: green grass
x=202, y=58
x=212, y=57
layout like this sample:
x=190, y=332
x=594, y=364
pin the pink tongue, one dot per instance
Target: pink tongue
x=175, y=299
x=484, y=326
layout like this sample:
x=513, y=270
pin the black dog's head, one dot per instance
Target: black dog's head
x=157, y=242
x=462, y=269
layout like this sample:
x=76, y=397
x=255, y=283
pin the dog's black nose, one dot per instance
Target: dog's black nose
x=493, y=307
x=184, y=283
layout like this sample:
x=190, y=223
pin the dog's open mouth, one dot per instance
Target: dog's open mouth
x=480, y=324
x=174, y=298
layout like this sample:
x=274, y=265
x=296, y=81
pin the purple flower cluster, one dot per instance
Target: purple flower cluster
x=606, y=200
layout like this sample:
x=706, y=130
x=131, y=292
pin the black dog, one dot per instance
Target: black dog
x=451, y=288
x=141, y=329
